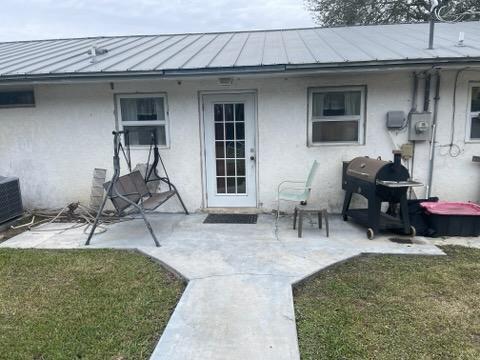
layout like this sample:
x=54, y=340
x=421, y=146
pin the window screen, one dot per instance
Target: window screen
x=144, y=118
x=336, y=115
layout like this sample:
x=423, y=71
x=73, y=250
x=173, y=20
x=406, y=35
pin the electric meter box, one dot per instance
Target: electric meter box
x=420, y=126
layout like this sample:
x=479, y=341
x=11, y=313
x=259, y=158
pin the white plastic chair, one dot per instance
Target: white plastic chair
x=298, y=193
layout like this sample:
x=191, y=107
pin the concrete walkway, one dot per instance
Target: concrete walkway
x=238, y=303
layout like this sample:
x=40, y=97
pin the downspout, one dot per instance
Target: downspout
x=434, y=133
x=413, y=110
x=426, y=97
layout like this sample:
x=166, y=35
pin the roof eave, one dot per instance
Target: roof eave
x=247, y=70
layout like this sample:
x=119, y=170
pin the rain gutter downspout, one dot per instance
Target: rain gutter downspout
x=434, y=133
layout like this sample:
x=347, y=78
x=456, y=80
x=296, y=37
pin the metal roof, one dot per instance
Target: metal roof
x=247, y=51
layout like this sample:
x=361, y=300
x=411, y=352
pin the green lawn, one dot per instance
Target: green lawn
x=82, y=304
x=393, y=307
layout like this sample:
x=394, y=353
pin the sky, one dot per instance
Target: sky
x=45, y=19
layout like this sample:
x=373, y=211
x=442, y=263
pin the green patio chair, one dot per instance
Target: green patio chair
x=300, y=192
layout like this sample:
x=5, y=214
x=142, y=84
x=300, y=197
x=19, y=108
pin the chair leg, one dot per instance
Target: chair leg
x=300, y=223
x=295, y=217
x=319, y=219
x=326, y=223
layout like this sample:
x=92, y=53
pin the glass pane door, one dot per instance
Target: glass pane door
x=230, y=148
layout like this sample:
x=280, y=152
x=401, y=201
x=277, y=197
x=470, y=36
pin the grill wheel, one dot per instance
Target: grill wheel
x=370, y=233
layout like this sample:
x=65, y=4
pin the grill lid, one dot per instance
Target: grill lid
x=365, y=168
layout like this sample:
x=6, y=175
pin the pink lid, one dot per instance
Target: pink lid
x=451, y=208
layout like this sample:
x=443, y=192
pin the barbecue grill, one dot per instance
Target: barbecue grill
x=378, y=181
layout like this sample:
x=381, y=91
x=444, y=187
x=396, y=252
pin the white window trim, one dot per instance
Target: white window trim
x=165, y=122
x=471, y=114
x=361, y=121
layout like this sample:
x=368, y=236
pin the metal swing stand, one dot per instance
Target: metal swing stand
x=131, y=190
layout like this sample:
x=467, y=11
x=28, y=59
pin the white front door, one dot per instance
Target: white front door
x=230, y=156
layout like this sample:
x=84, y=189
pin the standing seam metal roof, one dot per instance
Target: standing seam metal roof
x=239, y=50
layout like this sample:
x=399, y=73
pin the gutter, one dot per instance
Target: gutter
x=245, y=70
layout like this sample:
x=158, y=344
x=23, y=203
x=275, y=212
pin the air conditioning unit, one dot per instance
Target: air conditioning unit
x=10, y=199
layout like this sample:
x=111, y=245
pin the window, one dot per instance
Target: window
x=17, y=98
x=336, y=115
x=144, y=116
x=474, y=113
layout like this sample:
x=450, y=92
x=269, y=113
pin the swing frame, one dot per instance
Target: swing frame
x=134, y=182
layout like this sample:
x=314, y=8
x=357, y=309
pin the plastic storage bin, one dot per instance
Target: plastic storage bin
x=453, y=218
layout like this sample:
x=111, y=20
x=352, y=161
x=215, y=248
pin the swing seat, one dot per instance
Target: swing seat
x=133, y=187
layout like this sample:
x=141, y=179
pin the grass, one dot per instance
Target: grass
x=393, y=307
x=82, y=304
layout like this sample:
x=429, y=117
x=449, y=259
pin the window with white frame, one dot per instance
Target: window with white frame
x=474, y=113
x=144, y=116
x=336, y=115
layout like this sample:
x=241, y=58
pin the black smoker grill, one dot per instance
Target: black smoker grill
x=378, y=181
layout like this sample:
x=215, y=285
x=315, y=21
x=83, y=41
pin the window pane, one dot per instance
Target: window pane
x=228, y=112
x=241, y=186
x=475, y=128
x=16, y=98
x=142, y=135
x=142, y=109
x=240, y=167
x=336, y=103
x=240, y=149
x=219, y=131
x=218, y=110
x=221, y=185
x=240, y=128
x=239, y=112
x=475, y=99
x=323, y=131
x=231, y=185
x=230, y=150
x=230, y=167
x=229, y=132
x=220, y=149
x=220, y=167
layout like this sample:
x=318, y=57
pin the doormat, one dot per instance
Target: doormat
x=401, y=240
x=231, y=219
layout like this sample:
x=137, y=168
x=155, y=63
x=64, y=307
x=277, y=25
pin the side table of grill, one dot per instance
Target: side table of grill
x=300, y=210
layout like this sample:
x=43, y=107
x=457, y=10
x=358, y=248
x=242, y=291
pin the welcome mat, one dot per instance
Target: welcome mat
x=231, y=219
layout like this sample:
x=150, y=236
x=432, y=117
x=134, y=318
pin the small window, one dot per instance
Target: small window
x=474, y=113
x=144, y=116
x=336, y=115
x=16, y=98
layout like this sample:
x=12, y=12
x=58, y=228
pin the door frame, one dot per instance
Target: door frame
x=203, y=150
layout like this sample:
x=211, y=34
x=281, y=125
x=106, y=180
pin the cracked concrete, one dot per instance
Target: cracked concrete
x=238, y=302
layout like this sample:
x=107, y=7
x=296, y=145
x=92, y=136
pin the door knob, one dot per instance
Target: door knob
x=252, y=157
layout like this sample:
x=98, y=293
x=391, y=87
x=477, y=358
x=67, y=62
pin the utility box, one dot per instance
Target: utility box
x=420, y=126
x=395, y=120
x=10, y=199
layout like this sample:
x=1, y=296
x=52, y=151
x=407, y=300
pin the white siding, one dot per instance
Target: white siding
x=54, y=146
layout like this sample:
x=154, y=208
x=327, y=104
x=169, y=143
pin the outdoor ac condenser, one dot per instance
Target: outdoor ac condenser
x=10, y=199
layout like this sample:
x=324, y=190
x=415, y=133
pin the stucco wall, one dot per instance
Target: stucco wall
x=54, y=146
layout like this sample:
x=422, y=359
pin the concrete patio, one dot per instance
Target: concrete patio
x=238, y=303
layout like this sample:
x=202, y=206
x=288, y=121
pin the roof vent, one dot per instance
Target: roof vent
x=225, y=81
x=461, y=39
x=95, y=51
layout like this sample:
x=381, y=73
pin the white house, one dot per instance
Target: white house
x=238, y=112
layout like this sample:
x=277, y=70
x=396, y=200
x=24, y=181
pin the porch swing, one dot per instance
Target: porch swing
x=131, y=191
